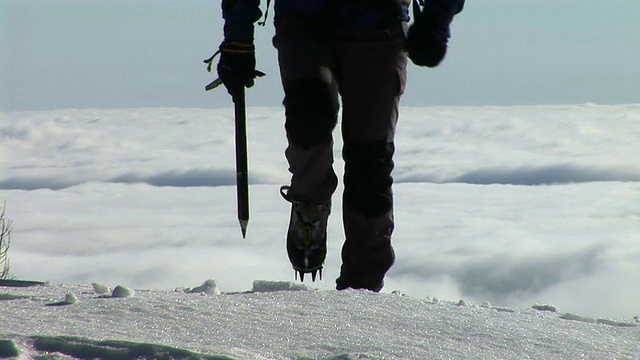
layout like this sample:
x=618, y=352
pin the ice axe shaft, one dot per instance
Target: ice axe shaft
x=242, y=168
x=242, y=172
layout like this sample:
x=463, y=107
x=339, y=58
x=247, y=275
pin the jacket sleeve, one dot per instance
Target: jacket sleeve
x=239, y=16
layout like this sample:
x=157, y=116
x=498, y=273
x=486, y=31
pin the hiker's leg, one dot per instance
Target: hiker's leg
x=311, y=106
x=372, y=74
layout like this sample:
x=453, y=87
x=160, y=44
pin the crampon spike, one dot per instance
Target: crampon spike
x=315, y=274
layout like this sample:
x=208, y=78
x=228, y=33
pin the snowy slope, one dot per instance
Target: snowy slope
x=298, y=325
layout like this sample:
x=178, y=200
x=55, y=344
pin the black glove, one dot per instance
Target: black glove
x=236, y=67
x=429, y=34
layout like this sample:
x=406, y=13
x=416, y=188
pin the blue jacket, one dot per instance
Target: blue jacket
x=240, y=15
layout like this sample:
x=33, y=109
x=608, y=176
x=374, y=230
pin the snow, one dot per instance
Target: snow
x=122, y=292
x=316, y=324
x=518, y=236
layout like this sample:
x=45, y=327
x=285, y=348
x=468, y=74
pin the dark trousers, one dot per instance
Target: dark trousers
x=323, y=65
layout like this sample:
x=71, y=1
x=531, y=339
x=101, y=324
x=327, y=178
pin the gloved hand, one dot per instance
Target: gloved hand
x=236, y=67
x=429, y=34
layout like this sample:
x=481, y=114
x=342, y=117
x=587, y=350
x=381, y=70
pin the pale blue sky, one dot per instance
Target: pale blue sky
x=148, y=53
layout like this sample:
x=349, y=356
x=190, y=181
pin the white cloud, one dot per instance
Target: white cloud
x=171, y=215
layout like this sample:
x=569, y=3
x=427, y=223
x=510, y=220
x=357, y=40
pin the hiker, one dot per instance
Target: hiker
x=332, y=52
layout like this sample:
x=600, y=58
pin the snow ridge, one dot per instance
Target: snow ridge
x=269, y=322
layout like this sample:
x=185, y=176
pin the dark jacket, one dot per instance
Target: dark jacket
x=240, y=15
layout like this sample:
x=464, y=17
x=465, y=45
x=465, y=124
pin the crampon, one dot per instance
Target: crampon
x=307, y=236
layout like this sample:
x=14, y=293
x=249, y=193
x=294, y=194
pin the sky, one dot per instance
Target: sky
x=116, y=54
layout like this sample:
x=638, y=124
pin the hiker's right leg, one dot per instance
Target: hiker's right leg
x=371, y=68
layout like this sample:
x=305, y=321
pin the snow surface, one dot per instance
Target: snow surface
x=515, y=206
x=323, y=324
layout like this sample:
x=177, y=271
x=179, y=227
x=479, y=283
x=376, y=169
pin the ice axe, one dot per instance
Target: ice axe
x=242, y=171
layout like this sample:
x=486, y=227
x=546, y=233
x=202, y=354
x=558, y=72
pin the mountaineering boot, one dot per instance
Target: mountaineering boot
x=367, y=253
x=307, y=235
